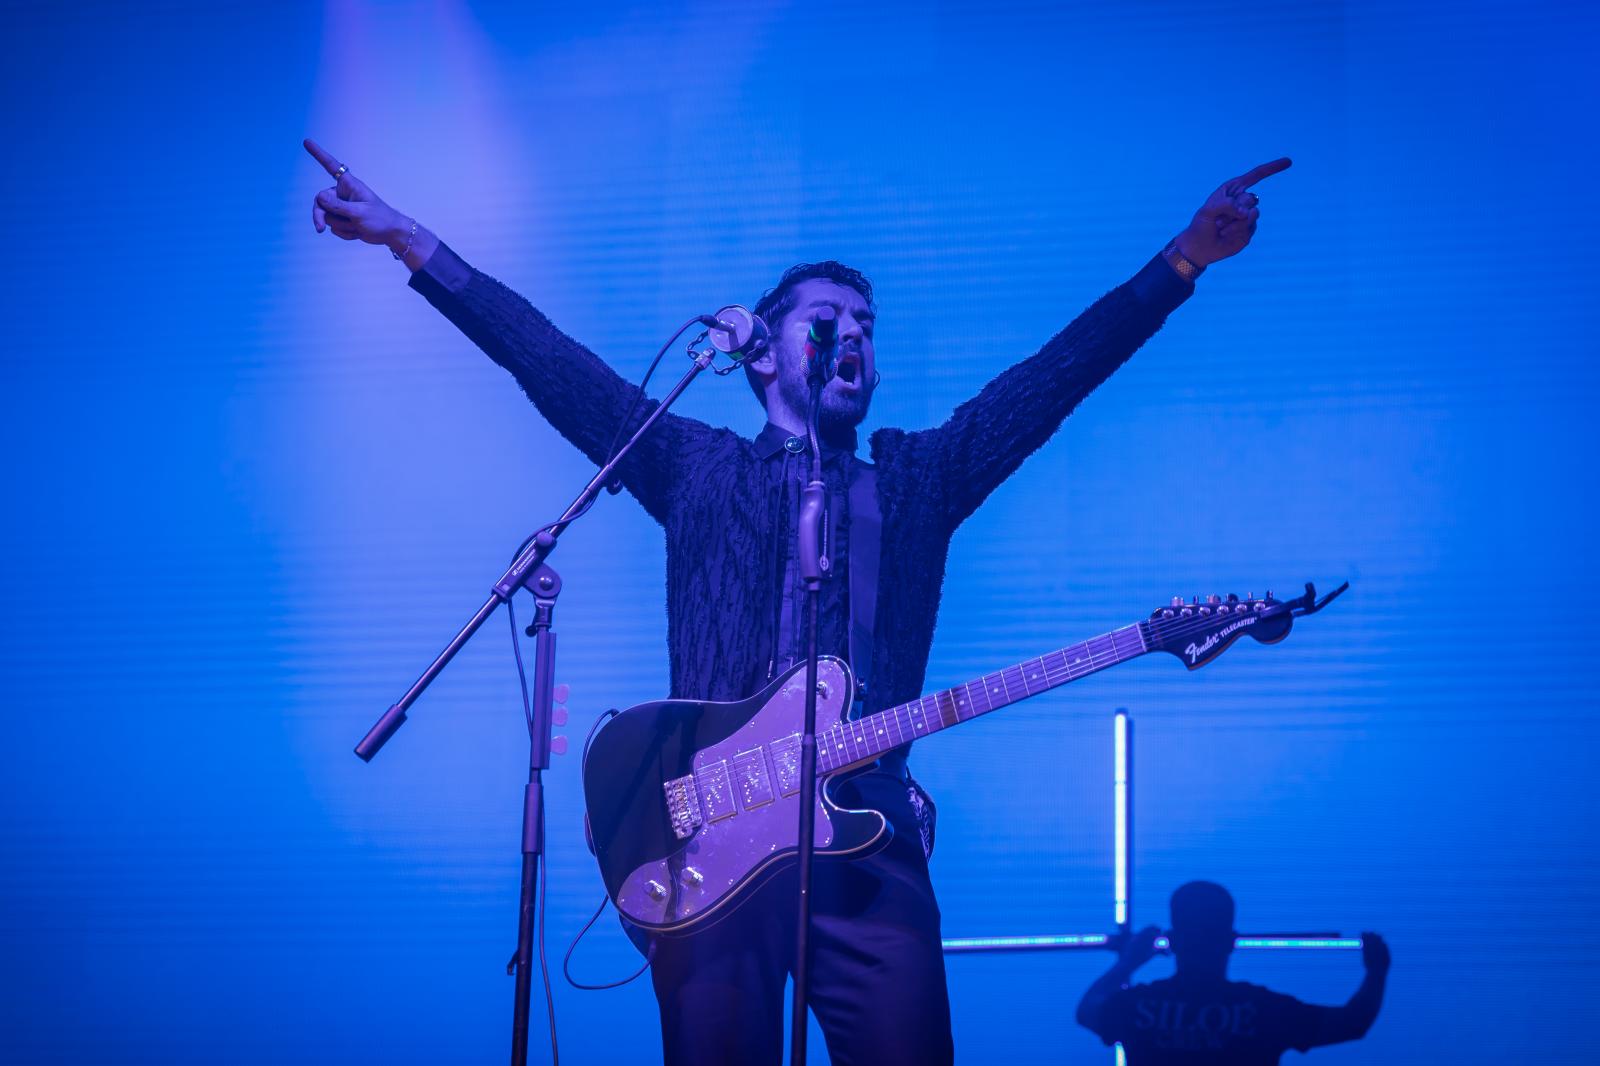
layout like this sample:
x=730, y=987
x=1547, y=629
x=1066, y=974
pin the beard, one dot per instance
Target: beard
x=842, y=408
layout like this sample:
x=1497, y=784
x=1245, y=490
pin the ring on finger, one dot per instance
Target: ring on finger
x=341, y=171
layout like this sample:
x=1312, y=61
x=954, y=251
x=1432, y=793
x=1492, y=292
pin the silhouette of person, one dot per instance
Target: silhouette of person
x=1197, y=1016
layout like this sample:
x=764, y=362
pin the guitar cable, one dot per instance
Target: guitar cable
x=566, y=960
x=527, y=712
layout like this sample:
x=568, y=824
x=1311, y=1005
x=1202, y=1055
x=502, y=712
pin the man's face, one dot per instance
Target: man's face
x=844, y=399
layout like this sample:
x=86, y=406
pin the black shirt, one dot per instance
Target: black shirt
x=1189, y=1022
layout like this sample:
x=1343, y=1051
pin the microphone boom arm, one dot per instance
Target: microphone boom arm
x=522, y=569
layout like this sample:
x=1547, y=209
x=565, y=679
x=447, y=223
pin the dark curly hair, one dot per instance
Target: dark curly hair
x=779, y=300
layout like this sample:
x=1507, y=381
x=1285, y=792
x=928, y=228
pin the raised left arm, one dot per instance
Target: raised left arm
x=989, y=436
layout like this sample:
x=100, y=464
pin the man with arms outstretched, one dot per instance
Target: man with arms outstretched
x=729, y=506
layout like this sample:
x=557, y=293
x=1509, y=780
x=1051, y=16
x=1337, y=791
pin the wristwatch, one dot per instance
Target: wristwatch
x=1187, y=269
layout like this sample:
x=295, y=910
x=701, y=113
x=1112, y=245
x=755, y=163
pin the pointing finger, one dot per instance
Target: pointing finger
x=1265, y=170
x=330, y=164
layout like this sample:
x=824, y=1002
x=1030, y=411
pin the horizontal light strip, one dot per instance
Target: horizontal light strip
x=1024, y=943
x=1096, y=940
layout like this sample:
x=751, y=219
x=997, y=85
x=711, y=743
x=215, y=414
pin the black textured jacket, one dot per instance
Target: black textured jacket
x=720, y=503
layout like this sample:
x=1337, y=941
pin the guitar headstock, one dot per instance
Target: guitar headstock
x=1199, y=630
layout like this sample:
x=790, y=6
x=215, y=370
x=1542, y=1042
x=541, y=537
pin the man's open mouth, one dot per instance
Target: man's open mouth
x=849, y=369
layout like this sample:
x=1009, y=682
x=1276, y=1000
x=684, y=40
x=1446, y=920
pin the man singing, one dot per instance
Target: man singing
x=729, y=506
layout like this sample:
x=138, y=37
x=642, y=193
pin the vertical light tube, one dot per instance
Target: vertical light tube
x=1122, y=806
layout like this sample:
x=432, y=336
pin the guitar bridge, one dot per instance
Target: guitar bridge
x=683, y=805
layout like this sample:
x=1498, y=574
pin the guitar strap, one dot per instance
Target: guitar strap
x=865, y=547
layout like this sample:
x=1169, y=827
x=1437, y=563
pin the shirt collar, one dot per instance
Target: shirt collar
x=773, y=439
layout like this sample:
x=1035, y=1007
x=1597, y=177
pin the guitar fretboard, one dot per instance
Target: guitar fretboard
x=847, y=744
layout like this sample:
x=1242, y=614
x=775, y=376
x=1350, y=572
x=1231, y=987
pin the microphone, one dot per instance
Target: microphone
x=822, y=346
x=736, y=332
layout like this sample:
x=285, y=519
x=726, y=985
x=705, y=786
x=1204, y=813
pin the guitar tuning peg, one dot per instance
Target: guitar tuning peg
x=1213, y=598
x=558, y=745
x=1177, y=601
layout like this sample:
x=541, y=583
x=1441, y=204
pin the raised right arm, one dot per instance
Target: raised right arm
x=1335, y=1025
x=581, y=397
x=1092, y=1008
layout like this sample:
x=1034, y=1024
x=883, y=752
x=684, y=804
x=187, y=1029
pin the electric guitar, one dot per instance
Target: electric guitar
x=692, y=803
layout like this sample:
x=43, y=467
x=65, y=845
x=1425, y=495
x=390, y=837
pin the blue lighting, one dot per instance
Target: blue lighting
x=1025, y=943
x=1120, y=803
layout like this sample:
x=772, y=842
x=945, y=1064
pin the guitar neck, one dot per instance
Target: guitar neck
x=849, y=744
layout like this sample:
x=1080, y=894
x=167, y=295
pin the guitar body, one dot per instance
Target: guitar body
x=692, y=803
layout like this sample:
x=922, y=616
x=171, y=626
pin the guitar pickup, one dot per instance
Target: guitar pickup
x=786, y=759
x=716, y=791
x=755, y=786
x=683, y=805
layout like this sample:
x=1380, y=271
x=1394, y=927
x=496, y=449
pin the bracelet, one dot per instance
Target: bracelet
x=407, y=250
x=1187, y=269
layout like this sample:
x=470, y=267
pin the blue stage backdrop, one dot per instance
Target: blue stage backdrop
x=256, y=483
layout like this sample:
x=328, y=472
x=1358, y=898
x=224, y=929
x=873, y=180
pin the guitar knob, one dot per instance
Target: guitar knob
x=691, y=876
x=656, y=889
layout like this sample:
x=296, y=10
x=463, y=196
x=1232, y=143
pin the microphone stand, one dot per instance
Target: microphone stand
x=529, y=571
x=810, y=563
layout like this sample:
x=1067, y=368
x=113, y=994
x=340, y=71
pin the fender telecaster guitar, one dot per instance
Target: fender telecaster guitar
x=693, y=803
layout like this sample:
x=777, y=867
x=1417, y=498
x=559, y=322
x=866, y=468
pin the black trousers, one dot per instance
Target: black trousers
x=877, y=971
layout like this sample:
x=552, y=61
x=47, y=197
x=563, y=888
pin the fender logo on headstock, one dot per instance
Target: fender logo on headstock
x=1195, y=651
